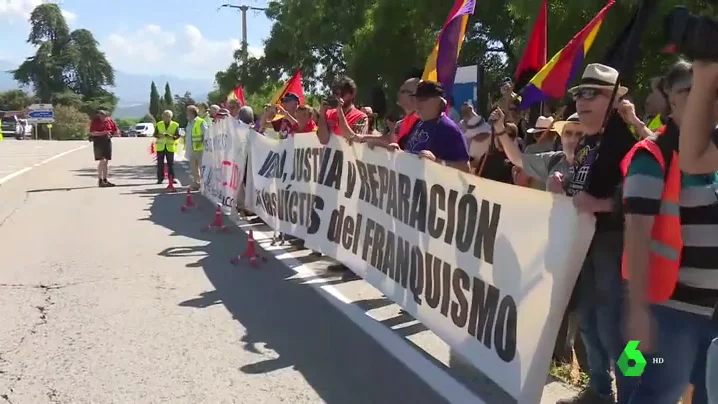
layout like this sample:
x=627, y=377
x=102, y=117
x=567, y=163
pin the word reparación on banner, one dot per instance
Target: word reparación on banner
x=473, y=261
x=223, y=162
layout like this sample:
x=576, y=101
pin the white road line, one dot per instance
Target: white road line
x=28, y=168
x=438, y=379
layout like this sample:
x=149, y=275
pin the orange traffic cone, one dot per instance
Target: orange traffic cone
x=171, y=185
x=217, y=222
x=188, y=201
x=250, y=253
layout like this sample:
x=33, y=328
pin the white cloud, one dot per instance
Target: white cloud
x=20, y=9
x=70, y=17
x=187, y=53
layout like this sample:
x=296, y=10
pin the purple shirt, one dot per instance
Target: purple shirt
x=440, y=136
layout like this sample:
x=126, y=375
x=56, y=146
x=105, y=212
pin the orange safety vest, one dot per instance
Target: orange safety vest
x=666, y=238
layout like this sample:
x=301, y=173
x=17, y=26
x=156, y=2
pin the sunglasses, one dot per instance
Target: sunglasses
x=586, y=93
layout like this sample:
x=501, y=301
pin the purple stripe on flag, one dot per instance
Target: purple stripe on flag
x=531, y=95
x=466, y=9
x=446, y=63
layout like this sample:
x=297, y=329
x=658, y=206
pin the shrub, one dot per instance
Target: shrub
x=70, y=123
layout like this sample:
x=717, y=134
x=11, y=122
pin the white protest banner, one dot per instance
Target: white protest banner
x=224, y=161
x=488, y=267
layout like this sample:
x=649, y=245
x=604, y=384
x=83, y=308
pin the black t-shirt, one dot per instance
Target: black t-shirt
x=497, y=167
x=596, y=168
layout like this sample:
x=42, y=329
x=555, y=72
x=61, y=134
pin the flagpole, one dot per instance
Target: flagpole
x=629, y=52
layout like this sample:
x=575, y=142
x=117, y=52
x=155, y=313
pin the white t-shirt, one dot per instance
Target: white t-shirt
x=473, y=127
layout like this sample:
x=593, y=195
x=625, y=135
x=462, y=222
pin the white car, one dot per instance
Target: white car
x=12, y=126
x=145, y=129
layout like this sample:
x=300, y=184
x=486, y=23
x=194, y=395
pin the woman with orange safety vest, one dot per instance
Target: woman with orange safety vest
x=670, y=259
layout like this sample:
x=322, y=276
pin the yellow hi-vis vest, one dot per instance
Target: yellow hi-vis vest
x=164, y=142
x=197, y=139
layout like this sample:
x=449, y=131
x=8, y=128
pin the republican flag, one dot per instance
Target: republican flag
x=534, y=56
x=553, y=79
x=237, y=94
x=442, y=62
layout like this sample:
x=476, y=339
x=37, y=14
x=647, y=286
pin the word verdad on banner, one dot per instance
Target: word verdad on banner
x=467, y=257
x=224, y=161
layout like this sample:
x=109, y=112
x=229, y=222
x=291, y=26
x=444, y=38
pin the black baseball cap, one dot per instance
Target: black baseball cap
x=429, y=89
x=290, y=97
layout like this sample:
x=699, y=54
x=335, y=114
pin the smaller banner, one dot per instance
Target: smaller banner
x=223, y=162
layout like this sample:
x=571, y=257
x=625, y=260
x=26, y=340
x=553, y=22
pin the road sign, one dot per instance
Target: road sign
x=40, y=113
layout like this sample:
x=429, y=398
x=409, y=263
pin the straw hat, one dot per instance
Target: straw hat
x=559, y=125
x=543, y=123
x=600, y=76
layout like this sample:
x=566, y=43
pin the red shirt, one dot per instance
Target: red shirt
x=357, y=120
x=406, y=124
x=311, y=126
x=103, y=125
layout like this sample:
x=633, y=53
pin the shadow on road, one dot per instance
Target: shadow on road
x=145, y=172
x=278, y=310
x=36, y=191
x=310, y=336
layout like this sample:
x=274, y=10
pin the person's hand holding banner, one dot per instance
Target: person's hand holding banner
x=554, y=184
x=426, y=154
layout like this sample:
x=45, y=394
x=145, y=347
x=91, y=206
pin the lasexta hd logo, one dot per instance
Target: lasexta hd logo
x=632, y=362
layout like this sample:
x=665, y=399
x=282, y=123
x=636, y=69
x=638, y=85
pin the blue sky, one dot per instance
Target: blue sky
x=183, y=38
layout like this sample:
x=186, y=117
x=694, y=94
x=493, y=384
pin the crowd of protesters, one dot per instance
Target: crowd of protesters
x=613, y=164
x=651, y=272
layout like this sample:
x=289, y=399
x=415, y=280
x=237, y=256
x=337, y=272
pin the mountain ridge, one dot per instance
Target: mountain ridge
x=131, y=89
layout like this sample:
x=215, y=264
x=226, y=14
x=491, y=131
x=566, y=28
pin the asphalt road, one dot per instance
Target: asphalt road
x=115, y=296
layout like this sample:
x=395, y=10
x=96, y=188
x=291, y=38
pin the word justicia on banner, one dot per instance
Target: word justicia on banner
x=223, y=162
x=486, y=266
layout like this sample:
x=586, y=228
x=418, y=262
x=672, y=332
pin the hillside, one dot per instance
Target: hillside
x=133, y=90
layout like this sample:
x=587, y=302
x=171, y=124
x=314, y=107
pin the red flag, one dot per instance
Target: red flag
x=293, y=85
x=534, y=56
x=237, y=94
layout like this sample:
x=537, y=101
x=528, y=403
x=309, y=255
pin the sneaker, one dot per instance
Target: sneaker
x=160, y=181
x=108, y=183
x=101, y=184
x=589, y=396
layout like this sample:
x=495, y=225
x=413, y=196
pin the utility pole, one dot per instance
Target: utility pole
x=244, y=9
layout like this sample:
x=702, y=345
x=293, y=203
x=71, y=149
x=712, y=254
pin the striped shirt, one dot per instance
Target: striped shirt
x=697, y=289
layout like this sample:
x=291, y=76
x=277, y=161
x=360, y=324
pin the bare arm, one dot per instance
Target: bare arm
x=323, y=132
x=636, y=242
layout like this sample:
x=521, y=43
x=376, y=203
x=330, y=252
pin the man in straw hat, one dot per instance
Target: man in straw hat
x=543, y=132
x=540, y=166
x=593, y=183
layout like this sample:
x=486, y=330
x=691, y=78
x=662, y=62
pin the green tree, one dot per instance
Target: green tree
x=13, y=100
x=167, y=99
x=65, y=61
x=366, y=40
x=180, y=107
x=70, y=123
x=154, y=101
x=215, y=96
x=125, y=123
x=148, y=118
